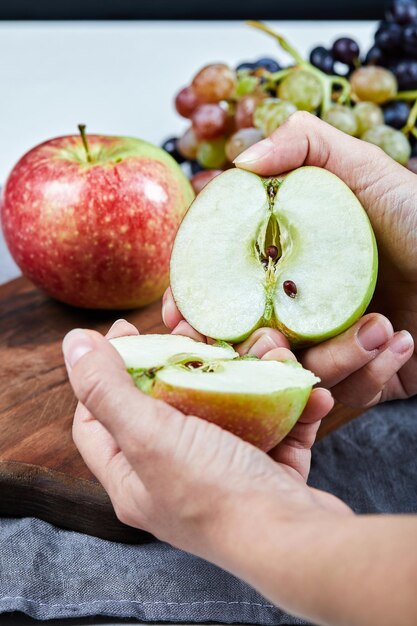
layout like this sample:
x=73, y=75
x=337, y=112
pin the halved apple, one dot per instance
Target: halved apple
x=296, y=253
x=259, y=401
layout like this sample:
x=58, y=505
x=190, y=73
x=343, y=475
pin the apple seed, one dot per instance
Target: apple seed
x=290, y=288
x=193, y=364
x=272, y=252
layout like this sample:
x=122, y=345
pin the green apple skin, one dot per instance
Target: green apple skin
x=262, y=420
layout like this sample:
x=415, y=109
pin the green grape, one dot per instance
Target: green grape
x=211, y=154
x=374, y=84
x=397, y=146
x=301, y=88
x=376, y=134
x=271, y=113
x=245, y=84
x=342, y=117
x=367, y=115
x=392, y=141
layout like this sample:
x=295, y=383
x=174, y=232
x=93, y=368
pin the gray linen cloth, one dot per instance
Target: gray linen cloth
x=48, y=573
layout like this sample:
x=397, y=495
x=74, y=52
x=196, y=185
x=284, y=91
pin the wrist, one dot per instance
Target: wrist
x=266, y=539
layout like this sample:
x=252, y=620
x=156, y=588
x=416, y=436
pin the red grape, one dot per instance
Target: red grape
x=240, y=141
x=187, y=144
x=209, y=121
x=186, y=101
x=201, y=179
x=245, y=109
x=214, y=82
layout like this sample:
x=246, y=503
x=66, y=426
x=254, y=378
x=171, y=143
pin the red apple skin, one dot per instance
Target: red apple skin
x=96, y=235
x=262, y=420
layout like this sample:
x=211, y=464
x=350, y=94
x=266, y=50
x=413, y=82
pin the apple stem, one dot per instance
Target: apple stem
x=81, y=128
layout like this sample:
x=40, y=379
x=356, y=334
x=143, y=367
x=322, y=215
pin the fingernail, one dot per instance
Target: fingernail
x=76, y=343
x=401, y=342
x=262, y=345
x=373, y=334
x=116, y=322
x=163, y=312
x=255, y=152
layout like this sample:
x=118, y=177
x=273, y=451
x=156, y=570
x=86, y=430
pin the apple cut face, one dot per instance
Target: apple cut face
x=150, y=351
x=259, y=401
x=298, y=254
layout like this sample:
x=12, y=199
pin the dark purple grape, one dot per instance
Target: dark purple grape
x=405, y=72
x=396, y=114
x=170, y=146
x=191, y=167
x=322, y=58
x=270, y=65
x=375, y=56
x=245, y=66
x=402, y=11
x=195, y=167
x=389, y=36
x=410, y=40
x=413, y=146
x=345, y=50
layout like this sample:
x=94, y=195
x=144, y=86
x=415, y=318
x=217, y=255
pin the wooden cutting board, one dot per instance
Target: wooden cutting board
x=41, y=472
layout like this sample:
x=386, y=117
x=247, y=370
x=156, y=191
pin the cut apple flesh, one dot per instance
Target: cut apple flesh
x=149, y=351
x=259, y=401
x=298, y=254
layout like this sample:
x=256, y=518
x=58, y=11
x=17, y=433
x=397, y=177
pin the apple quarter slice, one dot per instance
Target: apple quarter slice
x=259, y=401
x=320, y=279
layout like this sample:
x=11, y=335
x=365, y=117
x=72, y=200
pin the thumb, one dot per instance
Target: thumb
x=140, y=424
x=304, y=139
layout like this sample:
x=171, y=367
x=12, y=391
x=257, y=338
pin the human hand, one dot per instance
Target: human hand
x=369, y=362
x=179, y=477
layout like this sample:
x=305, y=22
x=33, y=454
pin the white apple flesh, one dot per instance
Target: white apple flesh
x=259, y=401
x=322, y=277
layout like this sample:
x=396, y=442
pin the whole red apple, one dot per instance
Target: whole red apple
x=91, y=220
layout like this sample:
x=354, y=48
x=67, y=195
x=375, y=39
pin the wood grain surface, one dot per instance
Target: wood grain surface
x=41, y=472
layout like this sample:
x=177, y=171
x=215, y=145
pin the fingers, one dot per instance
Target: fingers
x=304, y=139
x=94, y=442
x=184, y=328
x=261, y=341
x=170, y=313
x=366, y=386
x=121, y=328
x=337, y=358
x=138, y=423
x=295, y=449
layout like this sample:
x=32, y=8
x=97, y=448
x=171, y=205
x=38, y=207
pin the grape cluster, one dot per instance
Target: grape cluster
x=372, y=97
x=220, y=104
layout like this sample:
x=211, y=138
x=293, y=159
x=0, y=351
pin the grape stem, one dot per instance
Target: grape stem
x=282, y=42
x=326, y=81
x=411, y=121
x=345, y=84
x=406, y=95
